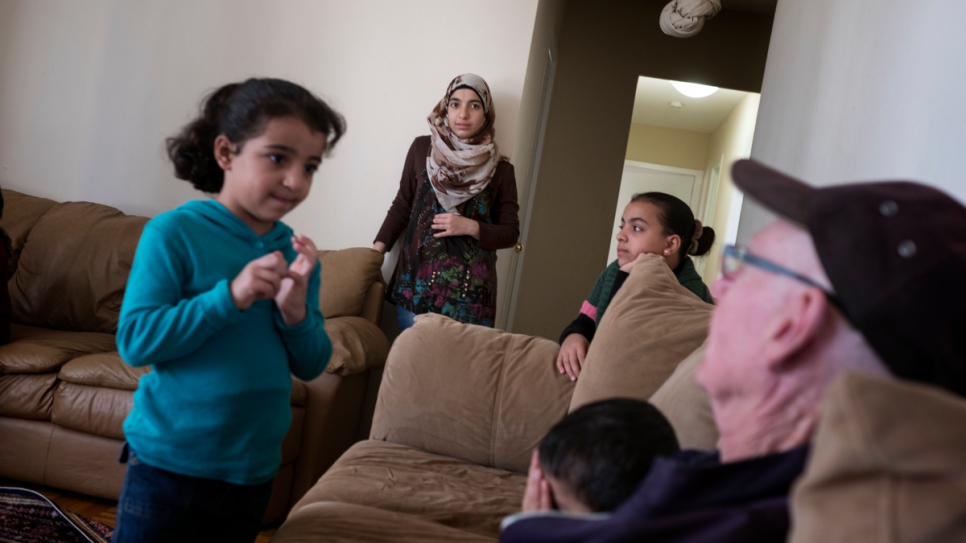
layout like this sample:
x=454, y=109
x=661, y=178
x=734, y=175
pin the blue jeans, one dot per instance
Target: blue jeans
x=405, y=318
x=157, y=505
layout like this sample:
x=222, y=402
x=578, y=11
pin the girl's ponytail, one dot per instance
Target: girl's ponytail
x=192, y=151
x=703, y=238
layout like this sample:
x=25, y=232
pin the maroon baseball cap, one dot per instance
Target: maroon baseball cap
x=895, y=252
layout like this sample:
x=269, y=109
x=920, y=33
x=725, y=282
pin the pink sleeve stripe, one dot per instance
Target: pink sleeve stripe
x=589, y=310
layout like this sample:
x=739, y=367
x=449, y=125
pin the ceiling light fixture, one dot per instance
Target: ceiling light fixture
x=694, y=90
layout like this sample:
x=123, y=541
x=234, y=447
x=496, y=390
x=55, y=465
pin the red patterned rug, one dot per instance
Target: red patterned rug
x=28, y=517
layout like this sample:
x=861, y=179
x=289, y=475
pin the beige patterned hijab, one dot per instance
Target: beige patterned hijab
x=460, y=168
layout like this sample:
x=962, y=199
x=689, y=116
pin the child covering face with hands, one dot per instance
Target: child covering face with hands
x=594, y=458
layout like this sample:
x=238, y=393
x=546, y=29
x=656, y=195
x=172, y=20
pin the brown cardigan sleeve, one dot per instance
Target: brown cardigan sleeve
x=505, y=229
x=500, y=234
x=402, y=205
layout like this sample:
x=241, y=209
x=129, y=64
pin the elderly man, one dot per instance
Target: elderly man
x=864, y=277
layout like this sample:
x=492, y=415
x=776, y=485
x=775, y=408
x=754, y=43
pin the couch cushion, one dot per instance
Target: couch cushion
x=650, y=326
x=108, y=370
x=346, y=277
x=20, y=213
x=471, y=392
x=74, y=266
x=431, y=487
x=888, y=464
x=39, y=350
x=27, y=396
x=687, y=406
x=105, y=370
x=350, y=523
x=101, y=411
x=91, y=409
x=357, y=345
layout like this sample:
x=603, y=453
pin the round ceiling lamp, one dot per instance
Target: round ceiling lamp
x=694, y=90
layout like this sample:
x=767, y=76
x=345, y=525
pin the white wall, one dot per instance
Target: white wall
x=729, y=142
x=89, y=90
x=864, y=89
x=667, y=146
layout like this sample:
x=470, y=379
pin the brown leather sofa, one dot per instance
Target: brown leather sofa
x=64, y=391
x=461, y=407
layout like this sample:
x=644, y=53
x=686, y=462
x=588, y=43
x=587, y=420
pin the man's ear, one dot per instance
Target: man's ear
x=224, y=152
x=796, y=327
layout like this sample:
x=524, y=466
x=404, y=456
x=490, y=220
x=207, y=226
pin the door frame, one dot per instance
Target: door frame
x=505, y=314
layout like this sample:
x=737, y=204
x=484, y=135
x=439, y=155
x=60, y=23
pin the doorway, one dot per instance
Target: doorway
x=603, y=51
x=699, y=136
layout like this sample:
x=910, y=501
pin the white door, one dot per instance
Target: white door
x=643, y=177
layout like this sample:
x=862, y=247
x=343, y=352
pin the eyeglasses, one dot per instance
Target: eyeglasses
x=735, y=256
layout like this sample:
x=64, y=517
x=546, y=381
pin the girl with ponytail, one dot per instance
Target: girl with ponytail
x=652, y=223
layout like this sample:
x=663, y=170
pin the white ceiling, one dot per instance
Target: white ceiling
x=651, y=106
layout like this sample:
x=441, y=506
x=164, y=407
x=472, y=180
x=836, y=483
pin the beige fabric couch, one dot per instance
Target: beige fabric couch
x=461, y=407
x=64, y=391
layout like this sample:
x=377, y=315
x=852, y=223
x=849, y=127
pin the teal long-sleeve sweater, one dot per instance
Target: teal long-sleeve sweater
x=216, y=403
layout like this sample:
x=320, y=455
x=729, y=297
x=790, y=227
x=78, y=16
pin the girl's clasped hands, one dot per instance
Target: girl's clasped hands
x=271, y=277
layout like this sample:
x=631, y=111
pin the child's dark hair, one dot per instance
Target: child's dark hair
x=240, y=111
x=677, y=218
x=604, y=449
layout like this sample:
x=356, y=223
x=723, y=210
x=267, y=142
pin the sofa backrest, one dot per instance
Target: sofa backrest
x=73, y=267
x=651, y=325
x=687, y=406
x=348, y=276
x=20, y=213
x=470, y=392
x=91, y=246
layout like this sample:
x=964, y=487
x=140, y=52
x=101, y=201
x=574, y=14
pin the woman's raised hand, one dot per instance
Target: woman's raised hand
x=291, y=296
x=454, y=224
x=570, y=360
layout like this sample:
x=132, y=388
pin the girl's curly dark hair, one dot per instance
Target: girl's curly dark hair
x=240, y=111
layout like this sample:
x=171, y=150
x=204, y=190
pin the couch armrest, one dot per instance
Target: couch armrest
x=333, y=409
x=375, y=297
x=470, y=392
x=335, y=400
x=357, y=345
x=347, y=279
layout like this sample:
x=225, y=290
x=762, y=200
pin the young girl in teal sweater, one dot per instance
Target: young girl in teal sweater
x=652, y=223
x=223, y=303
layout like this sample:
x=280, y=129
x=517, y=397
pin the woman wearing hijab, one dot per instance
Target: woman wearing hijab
x=457, y=204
